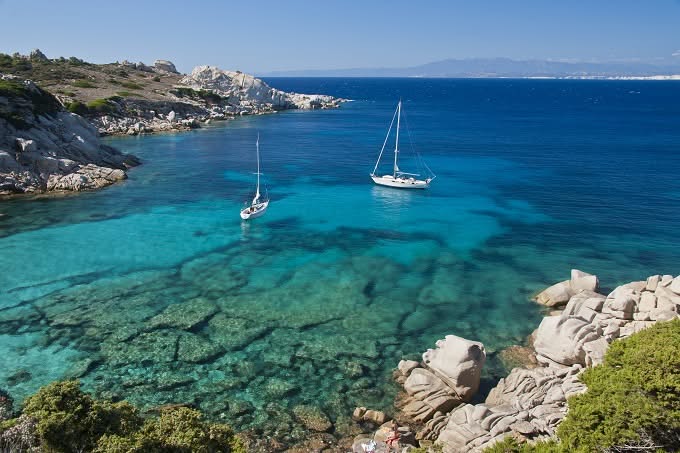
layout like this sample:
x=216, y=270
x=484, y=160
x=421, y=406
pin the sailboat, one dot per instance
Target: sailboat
x=398, y=178
x=259, y=205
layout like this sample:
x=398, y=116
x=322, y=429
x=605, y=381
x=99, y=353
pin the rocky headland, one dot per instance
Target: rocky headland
x=531, y=401
x=52, y=112
x=45, y=148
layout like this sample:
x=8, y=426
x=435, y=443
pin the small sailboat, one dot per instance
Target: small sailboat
x=259, y=204
x=398, y=178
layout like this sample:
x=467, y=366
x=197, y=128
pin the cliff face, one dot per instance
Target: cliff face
x=45, y=148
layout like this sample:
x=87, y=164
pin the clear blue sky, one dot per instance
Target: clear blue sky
x=267, y=35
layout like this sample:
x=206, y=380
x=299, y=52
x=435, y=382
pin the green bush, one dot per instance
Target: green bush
x=176, y=430
x=207, y=95
x=102, y=106
x=512, y=445
x=77, y=107
x=156, y=79
x=633, y=396
x=632, y=401
x=70, y=420
x=62, y=418
x=83, y=84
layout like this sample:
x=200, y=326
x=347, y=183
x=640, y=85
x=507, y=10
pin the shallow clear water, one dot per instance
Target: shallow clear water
x=154, y=290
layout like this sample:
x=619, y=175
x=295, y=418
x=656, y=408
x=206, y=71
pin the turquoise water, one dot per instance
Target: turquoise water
x=155, y=291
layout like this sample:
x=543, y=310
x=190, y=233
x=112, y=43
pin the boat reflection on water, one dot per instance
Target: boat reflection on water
x=392, y=200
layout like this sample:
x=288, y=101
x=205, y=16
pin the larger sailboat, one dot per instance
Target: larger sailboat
x=259, y=205
x=398, y=178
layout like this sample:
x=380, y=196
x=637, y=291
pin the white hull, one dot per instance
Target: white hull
x=254, y=211
x=400, y=182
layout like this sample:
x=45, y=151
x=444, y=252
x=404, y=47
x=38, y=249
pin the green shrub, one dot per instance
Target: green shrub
x=124, y=94
x=114, y=81
x=83, y=84
x=101, y=106
x=77, y=107
x=634, y=395
x=511, y=445
x=176, y=430
x=156, y=79
x=70, y=420
x=62, y=418
x=208, y=96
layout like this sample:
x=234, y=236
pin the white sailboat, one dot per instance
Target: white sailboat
x=398, y=178
x=259, y=205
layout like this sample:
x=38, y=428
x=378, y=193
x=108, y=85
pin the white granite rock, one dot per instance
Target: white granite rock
x=424, y=386
x=165, y=66
x=458, y=362
x=57, y=151
x=557, y=294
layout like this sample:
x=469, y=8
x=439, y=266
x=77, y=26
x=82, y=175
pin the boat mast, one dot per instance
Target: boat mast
x=257, y=191
x=396, y=143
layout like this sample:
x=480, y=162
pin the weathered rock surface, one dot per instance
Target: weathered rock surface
x=458, y=362
x=560, y=293
x=207, y=94
x=45, y=148
x=245, y=90
x=450, y=375
x=164, y=66
x=531, y=402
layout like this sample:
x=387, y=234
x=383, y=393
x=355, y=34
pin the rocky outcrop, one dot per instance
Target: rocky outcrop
x=530, y=403
x=240, y=89
x=449, y=376
x=207, y=94
x=45, y=148
x=164, y=66
x=560, y=293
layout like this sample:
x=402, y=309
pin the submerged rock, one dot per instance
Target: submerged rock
x=184, y=315
x=312, y=418
x=197, y=349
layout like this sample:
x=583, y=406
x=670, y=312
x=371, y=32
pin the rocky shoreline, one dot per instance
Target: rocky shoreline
x=206, y=94
x=531, y=401
x=44, y=148
x=49, y=130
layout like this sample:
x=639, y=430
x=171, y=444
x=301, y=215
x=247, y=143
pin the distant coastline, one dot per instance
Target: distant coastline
x=665, y=69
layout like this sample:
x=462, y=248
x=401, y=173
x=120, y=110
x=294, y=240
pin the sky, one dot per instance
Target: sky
x=276, y=35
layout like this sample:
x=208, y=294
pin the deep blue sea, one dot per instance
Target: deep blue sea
x=155, y=291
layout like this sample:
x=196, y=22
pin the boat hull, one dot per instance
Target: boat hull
x=259, y=210
x=400, y=183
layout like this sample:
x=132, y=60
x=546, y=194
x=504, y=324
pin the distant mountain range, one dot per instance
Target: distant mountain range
x=504, y=67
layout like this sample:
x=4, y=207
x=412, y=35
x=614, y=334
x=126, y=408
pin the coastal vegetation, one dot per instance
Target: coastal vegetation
x=632, y=401
x=31, y=100
x=62, y=418
x=83, y=84
x=102, y=106
x=206, y=95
